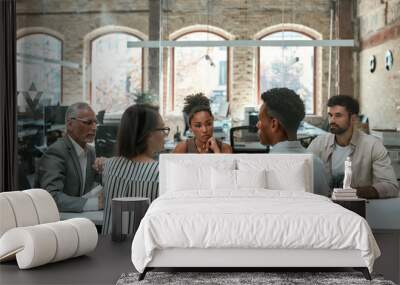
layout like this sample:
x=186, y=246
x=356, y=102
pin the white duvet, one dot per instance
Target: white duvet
x=250, y=219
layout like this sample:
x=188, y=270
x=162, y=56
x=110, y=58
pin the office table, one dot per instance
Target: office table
x=306, y=130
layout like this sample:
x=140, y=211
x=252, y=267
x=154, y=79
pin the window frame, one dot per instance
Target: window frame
x=314, y=113
x=25, y=33
x=90, y=57
x=172, y=65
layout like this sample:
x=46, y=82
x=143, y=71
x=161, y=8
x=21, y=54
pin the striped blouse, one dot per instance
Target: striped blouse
x=126, y=178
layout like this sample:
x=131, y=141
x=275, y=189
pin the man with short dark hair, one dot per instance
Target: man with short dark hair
x=372, y=174
x=66, y=170
x=279, y=118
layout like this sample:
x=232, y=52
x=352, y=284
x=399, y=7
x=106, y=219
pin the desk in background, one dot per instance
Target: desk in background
x=250, y=147
x=306, y=130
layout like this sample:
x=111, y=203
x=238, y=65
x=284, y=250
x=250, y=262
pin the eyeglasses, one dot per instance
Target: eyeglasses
x=165, y=130
x=86, y=122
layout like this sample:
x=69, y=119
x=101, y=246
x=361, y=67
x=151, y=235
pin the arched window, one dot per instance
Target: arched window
x=116, y=71
x=291, y=67
x=200, y=69
x=39, y=72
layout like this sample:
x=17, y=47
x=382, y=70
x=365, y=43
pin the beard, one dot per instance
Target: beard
x=335, y=129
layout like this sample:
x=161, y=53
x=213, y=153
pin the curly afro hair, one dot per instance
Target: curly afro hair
x=195, y=103
x=285, y=105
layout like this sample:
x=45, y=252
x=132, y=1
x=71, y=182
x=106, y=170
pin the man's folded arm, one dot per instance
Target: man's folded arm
x=384, y=178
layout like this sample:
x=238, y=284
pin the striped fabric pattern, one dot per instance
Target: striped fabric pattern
x=126, y=178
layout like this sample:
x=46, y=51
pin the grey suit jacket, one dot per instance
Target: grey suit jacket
x=59, y=172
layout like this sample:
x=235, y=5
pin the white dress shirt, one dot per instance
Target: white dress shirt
x=92, y=203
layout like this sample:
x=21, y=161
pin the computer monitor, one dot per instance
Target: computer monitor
x=250, y=116
x=253, y=119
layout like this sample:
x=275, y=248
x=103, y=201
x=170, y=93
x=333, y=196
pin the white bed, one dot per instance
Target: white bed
x=214, y=211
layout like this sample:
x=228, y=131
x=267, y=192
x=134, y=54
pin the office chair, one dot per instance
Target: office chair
x=305, y=141
x=105, y=141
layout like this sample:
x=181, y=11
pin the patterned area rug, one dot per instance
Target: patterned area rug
x=275, y=278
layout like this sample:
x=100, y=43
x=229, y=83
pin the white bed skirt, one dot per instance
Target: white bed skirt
x=192, y=257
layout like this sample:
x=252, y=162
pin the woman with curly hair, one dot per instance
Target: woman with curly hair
x=201, y=123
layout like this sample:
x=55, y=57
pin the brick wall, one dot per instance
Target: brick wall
x=243, y=19
x=380, y=91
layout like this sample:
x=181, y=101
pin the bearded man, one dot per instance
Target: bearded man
x=373, y=175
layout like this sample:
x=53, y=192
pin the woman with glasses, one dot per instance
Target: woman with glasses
x=201, y=123
x=134, y=172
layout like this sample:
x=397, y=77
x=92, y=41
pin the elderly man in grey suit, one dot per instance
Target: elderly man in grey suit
x=67, y=169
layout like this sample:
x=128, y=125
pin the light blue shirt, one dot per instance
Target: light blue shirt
x=321, y=185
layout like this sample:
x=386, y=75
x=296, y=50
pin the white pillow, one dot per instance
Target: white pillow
x=237, y=179
x=190, y=176
x=251, y=178
x=292, y=179
x=223, y=179
x=281, y=174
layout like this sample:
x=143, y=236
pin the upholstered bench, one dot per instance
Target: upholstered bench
x=31, y=231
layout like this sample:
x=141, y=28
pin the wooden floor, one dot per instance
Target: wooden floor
x=110, y=259
x=102, y=266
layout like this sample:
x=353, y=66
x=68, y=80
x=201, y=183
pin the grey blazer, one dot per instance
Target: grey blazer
x=59, y=173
